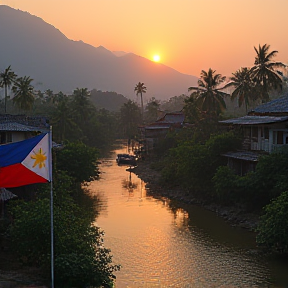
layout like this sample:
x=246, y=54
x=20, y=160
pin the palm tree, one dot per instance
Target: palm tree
x=23, y=93
x=209, y=98
x=7, y=78
x=49, y=95
x=244, y=87
x=82, y=105
x=140, y=88
x=62, y=120
x=263, y=72
x=130, y=119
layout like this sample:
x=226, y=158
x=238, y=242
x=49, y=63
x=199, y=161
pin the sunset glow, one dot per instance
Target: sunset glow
x=156, y=58
x=190, y=43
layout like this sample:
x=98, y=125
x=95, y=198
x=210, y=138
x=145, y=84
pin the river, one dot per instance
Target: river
x=160, y=243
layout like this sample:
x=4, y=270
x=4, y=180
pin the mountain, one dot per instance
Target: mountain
x=37, y=49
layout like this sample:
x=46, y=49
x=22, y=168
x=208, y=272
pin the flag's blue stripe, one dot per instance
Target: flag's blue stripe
x=16, y=152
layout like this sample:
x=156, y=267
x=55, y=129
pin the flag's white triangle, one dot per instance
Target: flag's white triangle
x=38, y=160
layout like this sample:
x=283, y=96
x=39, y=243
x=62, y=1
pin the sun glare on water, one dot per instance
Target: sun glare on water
x=156, y=58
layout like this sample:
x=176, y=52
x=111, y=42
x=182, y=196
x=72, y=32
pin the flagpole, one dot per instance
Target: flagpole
x=51, y=209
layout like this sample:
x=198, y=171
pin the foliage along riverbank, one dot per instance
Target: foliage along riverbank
x=80, y=258
x=234, y=215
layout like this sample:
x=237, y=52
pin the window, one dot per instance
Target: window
x=255, y=132
x=5, y=137
x=266, y=133
x=279, y=137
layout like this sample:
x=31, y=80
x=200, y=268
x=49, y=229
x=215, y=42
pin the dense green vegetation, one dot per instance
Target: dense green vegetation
x=81, y=260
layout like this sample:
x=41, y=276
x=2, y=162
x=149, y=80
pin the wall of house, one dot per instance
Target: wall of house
x=265, y=137
x=18, y=136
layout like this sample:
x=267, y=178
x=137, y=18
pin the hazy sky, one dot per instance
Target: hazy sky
x=188, y=35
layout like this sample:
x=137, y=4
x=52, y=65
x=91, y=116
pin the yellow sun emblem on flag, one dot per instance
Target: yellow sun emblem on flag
x=39, y=158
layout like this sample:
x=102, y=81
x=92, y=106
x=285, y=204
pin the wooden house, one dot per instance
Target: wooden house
x=168, y=121
x=265, y=129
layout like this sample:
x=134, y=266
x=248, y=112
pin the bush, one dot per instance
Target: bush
x=225, y=183
x=273, y=226
x=79, y=161
x=193, y=165
x=80, y=257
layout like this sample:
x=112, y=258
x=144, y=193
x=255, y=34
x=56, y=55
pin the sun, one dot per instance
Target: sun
x=156, y=58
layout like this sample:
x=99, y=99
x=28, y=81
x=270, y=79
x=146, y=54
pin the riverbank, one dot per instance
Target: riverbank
x=234, y=215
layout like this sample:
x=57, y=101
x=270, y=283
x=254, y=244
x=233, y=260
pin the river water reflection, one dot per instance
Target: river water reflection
x=160, y=243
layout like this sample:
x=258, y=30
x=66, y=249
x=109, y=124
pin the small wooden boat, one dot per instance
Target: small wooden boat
x=126, y=159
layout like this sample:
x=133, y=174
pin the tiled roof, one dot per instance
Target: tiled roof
x=279, y=105
x=20, y=128
x=255, y=120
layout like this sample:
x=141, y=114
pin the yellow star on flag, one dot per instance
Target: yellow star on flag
x=39, y=158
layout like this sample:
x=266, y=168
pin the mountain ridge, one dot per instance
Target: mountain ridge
x=37, y=49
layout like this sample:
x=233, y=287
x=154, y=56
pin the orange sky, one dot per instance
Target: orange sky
x=189, y=35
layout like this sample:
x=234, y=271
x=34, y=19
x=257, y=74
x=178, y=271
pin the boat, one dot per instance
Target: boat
x=126, y=159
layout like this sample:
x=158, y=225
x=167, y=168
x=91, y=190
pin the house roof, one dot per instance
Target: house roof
x=22, y=123
x=255, y=120
x=157, y=127
x=172, y=117
x=13, y=126
x=243, y=155
x=6, y=194
x=279, y=105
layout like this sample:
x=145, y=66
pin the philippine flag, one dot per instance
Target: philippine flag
x=25, y=162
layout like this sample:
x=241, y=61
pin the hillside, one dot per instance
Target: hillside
x=37, y=49
x=108, y=100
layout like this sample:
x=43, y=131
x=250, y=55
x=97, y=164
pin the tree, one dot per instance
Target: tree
x=151, y=110
x=130, y=119
x=23, y=91
x=175, y=103
x=263, y=72
x=210, y=98
x=7, y=78
x=63, y=121
x=82, y=104
x=49, y=95
x=79, y=161
x=140, y=89
x=191, y=110
x=244, y=87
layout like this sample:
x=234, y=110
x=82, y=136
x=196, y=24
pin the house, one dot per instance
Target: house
x=168, y=121
x=265, y=129
x=14, y=128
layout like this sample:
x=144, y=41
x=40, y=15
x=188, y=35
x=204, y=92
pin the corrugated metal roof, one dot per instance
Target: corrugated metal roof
x=255, y=120
x=279, y=105
x=13, y=126
x=243, y=155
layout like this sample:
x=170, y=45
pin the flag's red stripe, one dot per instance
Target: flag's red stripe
x=18, y=175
